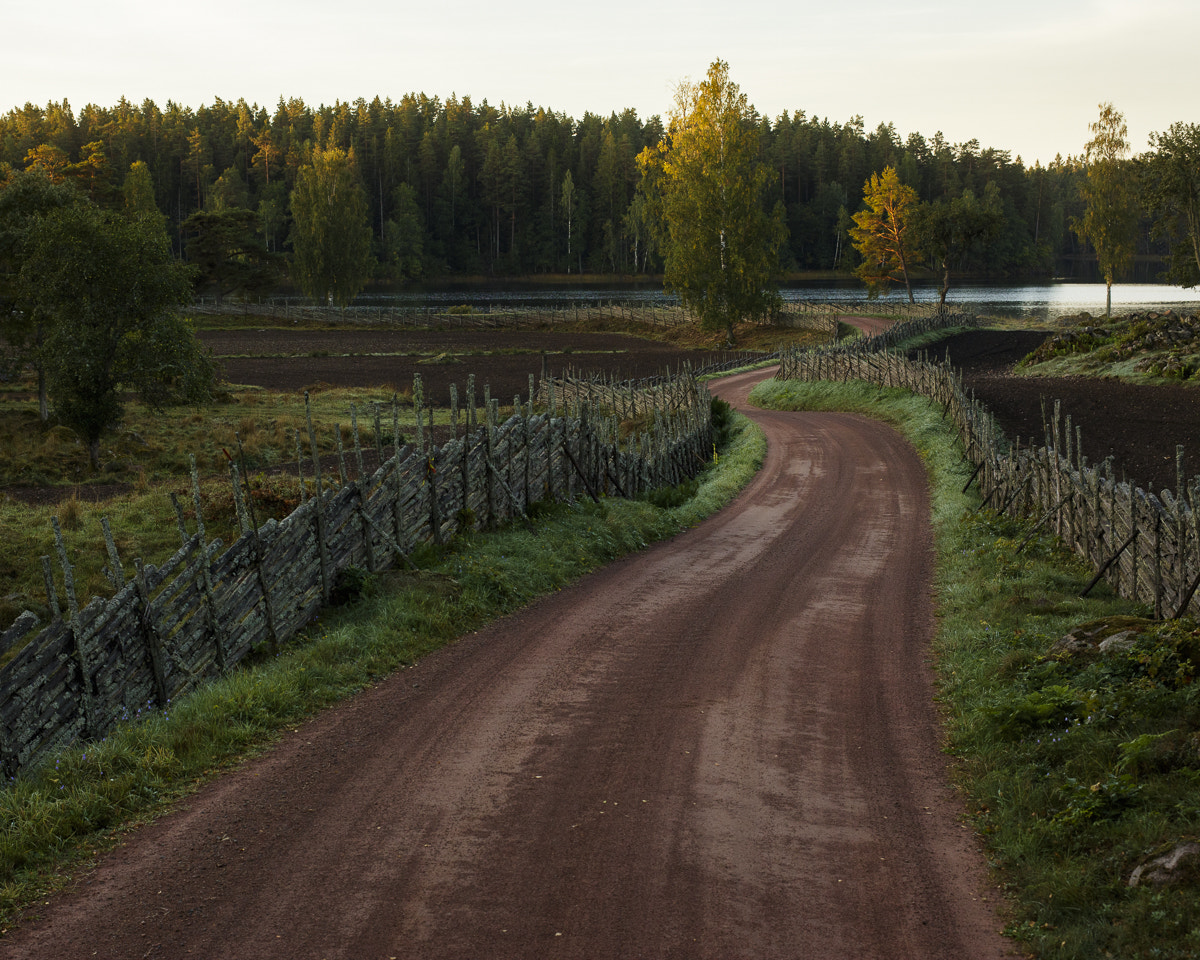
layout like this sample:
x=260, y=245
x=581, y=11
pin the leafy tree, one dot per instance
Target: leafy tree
x=722, y=246
x=883, y=234
x=265, y=154
x=512, y=218
x=92, y=171
x=404, y=237
x=272, y=214
x=138, y=192
x=332, y=233
x=111, y=291
x=1172, y=191
x=227, y=253
x=570, y=209
x=49, y=159
x=948, y=229
x=1110, y=217
x=26, y=196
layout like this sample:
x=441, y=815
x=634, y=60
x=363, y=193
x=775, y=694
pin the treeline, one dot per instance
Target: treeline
x=454, y=187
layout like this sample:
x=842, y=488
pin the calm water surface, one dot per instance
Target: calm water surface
x=1042, y=301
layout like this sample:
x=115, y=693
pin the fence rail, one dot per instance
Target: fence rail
x=168, y=628
x=1146, y=545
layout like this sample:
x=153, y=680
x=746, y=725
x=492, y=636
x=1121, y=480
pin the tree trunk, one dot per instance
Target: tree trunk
x=907, y=282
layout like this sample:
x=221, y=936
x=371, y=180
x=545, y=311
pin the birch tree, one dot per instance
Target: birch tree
x=332, y=233
x=1109, y=220
x=721, y=244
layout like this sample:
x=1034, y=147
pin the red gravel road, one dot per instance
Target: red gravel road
x=722, y=747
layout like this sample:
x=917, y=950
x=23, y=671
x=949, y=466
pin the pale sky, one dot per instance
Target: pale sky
x=1024, y=75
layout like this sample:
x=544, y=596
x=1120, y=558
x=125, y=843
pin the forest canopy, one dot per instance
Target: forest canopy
x=459, y=188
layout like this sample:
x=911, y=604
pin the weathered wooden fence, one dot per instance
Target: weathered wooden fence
x=631, y=399
x=1146, y=545
x=167, y=628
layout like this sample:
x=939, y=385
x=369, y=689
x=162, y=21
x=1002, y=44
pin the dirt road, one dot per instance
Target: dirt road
x=723, y=747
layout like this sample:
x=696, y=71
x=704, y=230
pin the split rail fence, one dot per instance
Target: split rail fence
x=1146, y=545
x=169, y=627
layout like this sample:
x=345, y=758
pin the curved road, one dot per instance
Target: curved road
x=722, y=747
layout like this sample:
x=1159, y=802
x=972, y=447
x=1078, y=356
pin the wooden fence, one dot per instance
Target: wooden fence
x=170, y=627
x=1146, y=545
x=607, y=393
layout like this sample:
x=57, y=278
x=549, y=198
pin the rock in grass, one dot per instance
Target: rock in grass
x=1111, y=636
x=1180, y=865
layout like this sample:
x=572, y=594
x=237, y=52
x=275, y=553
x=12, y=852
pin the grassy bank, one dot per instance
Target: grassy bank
x=58, y=817
x=1075, y=767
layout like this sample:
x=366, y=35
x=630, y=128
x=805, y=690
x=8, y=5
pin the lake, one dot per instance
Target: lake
x=1043, y=301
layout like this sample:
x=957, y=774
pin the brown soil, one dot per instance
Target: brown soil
x=725, y=746
x=1137, y=425
x=280, y=359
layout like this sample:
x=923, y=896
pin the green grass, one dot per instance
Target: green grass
x=57, y=817
x=152, y=447
x=150, y=457
x=1129, y=347
x=1075, y=769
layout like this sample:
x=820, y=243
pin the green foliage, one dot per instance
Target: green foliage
x=1049, y=706
x=109, y=290
x=1171, y=187
x=230, y=152
x=1076, y=768
x=404, y=237
x=227, y=253
x=666, y=498
x=138, y=193
x=332, y=234
x=883, y=234
x=63, y=812
x=1109, y=220
x=25, y=197
x=949, y=229
x=1157, y=345
x=721, y=243
x=722, y=420
x=352, y=583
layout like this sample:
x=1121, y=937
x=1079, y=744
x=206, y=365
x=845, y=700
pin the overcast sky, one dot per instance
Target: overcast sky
x=1025, y=76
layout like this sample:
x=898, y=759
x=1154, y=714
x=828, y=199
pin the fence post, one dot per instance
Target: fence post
x=154, y=645
x=322, y=543
x=90, y=720
x=215, y=627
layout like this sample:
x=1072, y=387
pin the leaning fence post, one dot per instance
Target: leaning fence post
x=216, y=630
x=154, y=645
x=358, y=455
x=322, y=543
x=51, y=593
x=76, y=630
x=115, y=572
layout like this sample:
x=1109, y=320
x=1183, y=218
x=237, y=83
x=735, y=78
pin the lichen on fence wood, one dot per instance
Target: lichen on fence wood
x=197, y=615
x=1146, y=545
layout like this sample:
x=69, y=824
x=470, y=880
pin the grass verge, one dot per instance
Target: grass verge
x=57, y=818
x=1076, y=766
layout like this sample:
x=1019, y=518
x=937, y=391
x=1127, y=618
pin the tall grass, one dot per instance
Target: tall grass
x=1075, y=768
x=57, y=816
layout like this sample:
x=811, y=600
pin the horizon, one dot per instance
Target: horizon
x=1026, y=83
